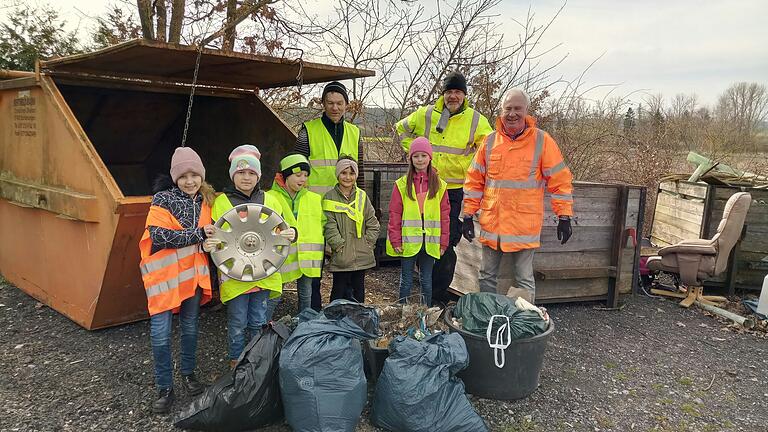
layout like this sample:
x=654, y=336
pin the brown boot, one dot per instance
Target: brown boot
x=232, y=364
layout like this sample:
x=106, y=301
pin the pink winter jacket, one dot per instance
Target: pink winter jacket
x=396, y=212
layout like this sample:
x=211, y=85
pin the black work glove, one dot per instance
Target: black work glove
x=468, y=228
x=564, y=230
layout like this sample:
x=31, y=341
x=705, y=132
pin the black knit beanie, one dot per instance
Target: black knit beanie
x=335, y=87
x=455, y=81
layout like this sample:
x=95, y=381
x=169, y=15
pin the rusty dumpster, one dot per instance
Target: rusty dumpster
x=81, y=141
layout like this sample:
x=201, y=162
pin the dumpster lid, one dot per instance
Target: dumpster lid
x=164, y=62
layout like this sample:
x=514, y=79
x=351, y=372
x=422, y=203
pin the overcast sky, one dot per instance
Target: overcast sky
x=668, y=47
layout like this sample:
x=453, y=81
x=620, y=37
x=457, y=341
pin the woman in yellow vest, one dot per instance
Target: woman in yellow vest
x=246, y=301
x=351, y=231
x=302, y=209
x=419, y=220
x=175, y=269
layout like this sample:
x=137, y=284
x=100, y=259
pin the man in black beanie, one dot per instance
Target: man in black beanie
x=455, y=131
x=322, y=141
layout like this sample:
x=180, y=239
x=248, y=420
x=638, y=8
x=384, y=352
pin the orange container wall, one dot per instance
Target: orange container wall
x=78, y=251
x=54, y=257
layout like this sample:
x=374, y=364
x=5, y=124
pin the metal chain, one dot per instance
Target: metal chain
x=300, y=75
x=192, y=95
x=299, y=61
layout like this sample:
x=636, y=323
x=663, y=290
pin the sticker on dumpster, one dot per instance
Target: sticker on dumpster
x=25, y=115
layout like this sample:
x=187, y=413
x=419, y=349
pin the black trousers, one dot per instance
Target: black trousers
x=349, y=285
x=442, y=272
x=317, y=301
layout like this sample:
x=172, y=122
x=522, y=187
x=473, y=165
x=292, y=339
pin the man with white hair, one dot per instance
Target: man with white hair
x=506, y=181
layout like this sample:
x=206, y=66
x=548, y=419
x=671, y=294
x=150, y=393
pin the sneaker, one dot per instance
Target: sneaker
x=192, y=386
x=164, y=401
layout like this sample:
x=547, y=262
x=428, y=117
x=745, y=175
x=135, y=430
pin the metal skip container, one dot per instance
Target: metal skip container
x=83, y=138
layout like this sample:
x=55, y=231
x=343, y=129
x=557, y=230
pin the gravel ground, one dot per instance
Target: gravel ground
x=649, y=366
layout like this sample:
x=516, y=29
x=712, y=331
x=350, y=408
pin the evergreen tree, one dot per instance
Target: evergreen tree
x=31, y=32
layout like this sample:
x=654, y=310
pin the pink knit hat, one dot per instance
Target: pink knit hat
x=420, y=144
x=184, y=160
x=244, y=157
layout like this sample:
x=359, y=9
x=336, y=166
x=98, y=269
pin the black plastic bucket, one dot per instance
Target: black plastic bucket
x=374, y=360
x=518, y=378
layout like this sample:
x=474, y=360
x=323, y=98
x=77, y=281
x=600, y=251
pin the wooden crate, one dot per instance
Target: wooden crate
x=598, y=263
x=686, y=210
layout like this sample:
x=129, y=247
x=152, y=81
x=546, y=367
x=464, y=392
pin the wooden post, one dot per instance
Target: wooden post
x=639, y=234
x=706, y=218
x=730, y=280
x=376, y=189
x=379, y=250
x=617, y=247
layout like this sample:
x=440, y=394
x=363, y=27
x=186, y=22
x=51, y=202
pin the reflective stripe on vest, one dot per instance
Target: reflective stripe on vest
x=530, y=183
x=453, y=149
x=171, y=276
x=354, y=210
x=323, y=153
x=407, y=130
x=417, y=229
x=509, y=238
x=184, y=277
x=306, y=254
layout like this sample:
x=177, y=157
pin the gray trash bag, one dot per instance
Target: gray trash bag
x=321, y=368
x=476, y=310
x=418, y=391
x=247, y=398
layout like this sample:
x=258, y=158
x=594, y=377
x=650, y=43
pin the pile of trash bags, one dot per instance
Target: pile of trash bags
x=321, y=368
x=418, y=390
x=475, y=310
x=247, y=398
x=314, y=377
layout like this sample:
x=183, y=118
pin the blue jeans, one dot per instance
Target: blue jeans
x=160, y=335
x=245, y=310
x=304, y=286
x=426, y=262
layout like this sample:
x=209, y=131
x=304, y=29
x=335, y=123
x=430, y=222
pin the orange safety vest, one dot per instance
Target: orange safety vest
x=506, y=182
x=172, y=275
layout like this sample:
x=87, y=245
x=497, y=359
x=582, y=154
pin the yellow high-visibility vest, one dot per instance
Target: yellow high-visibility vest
x=306, y=254
x=323, y=154
x=355, y=210
x=454, y=147
x=416, y=230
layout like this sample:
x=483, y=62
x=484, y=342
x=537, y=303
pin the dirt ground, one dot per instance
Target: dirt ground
x=650, y=366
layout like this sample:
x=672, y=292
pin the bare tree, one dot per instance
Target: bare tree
x=370, y=34
x=745, y=105
x=145, y=18
x=177, y=21
x=193, y=21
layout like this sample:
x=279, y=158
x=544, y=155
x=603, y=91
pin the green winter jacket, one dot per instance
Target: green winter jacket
x=349, y=253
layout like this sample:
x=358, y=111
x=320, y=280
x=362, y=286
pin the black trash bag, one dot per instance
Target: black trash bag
x=476, y=310
x=418, y=391
x=321, y=369
x=248, y=397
